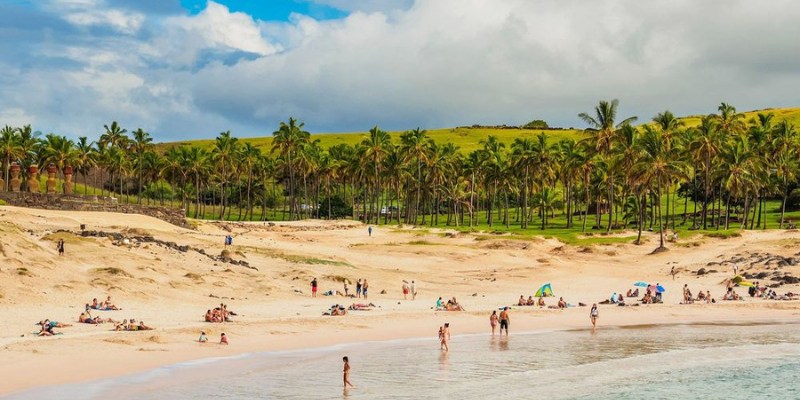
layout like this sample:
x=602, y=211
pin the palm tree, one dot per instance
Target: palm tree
x=706, y=146
x=142, y=142
x=653, y=166
x=415, y=145
x=249, y=156
x=222, y=153
x=523, y=152
x=114, y=135
x=10, y=149
x=86, y=159
x=602, y=127
x=375, y=147
x=545, y=202
x=287, y=140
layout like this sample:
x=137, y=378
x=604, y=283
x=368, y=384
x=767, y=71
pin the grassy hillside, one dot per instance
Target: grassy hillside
x=469, y=138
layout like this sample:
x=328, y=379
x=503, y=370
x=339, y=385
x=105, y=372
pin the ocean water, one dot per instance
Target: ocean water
x=703, y=361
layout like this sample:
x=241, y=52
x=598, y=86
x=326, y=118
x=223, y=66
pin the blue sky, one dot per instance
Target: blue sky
x=188, y=69
x=271, y=10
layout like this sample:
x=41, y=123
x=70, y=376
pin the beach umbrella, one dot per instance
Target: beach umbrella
x=545, y=290
x=660, y=289
x=748, y=284
x=640, y=284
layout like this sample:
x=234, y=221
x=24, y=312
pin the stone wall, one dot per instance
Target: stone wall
x=65, y=202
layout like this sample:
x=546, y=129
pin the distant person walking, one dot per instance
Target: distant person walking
x=314, y=287
x=358, y=288
x=735, y=269
x=60, y=247
x=346, y=289
x=505, y=320
x=673, y=272
x=445, y=337
x=346, y=372
x=369, y=230
x=405, y=290
x=594, y=315
x=413, y=291
x=493, y=321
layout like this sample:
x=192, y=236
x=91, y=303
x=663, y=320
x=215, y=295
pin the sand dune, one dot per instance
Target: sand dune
x=170, y=289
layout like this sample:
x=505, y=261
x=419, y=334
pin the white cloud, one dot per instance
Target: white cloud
x=221, y=28
x=15, y=117
x=434, y=63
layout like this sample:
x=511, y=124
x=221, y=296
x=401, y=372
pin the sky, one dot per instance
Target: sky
x=189, y=69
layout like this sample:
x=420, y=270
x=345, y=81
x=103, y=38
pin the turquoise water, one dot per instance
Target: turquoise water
x=663, y=362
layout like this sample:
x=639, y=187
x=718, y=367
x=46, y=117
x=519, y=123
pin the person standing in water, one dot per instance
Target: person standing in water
x=445, y=337
x=493, y=321
x=346, y=371
x=505, y=320
x=594, y=315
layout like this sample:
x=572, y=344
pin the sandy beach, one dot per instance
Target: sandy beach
x=170, y=289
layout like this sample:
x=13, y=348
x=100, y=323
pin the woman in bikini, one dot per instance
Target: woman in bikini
x=594, y=315
x=492, y=322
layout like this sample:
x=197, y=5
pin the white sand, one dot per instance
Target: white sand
x=273, y=316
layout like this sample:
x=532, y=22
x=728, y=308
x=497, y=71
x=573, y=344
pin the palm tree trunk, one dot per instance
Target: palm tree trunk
x=610, y=199
x=586, y=214
x=783, y=205
x=728, y=211
x=660, y=220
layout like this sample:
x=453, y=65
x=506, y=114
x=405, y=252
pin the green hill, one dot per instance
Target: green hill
x=468, y=138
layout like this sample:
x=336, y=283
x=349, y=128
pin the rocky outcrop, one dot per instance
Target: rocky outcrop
x=65, y=202
x=120, y=239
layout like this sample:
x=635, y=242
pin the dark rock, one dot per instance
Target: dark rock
x=701, y=271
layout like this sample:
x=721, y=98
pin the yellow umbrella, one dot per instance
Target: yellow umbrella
x=748, y=284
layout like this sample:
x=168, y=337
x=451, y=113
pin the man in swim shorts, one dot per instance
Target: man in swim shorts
x=504, y=321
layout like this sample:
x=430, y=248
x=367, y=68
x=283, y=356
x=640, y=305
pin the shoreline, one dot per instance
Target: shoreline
x=180, y=358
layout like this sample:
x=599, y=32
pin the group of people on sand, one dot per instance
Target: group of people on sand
x=204, y=339
x=362, y=288
x=106, y=305
x=219, y=314
x=530, y=301
x=409, y=289
x=450, y=305
x=46, y=327
x=336, y=310
x=131, y=326
x=688, y=298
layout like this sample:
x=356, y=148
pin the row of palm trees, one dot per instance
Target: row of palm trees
x=622, y=173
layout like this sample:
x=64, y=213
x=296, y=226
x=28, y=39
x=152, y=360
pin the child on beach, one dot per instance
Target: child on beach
x=203, y=338
x=223, y=339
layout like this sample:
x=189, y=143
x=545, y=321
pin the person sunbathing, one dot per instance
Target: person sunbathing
x=108, y=305
x=629, y=294
x=531, y=302
x=94, y=304
x=520, y=303
x=454, y=306
x=541, y=301
x=143, y=327
x=55, y=324
x=647, y=299
x=46, y=329
x=361, y=306
x=121, y=326
x=561, y=303
x=87, y=319
x=636, y=293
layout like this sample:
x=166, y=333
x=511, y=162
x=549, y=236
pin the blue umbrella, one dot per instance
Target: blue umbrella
x=640, y=284
x=660, y=289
